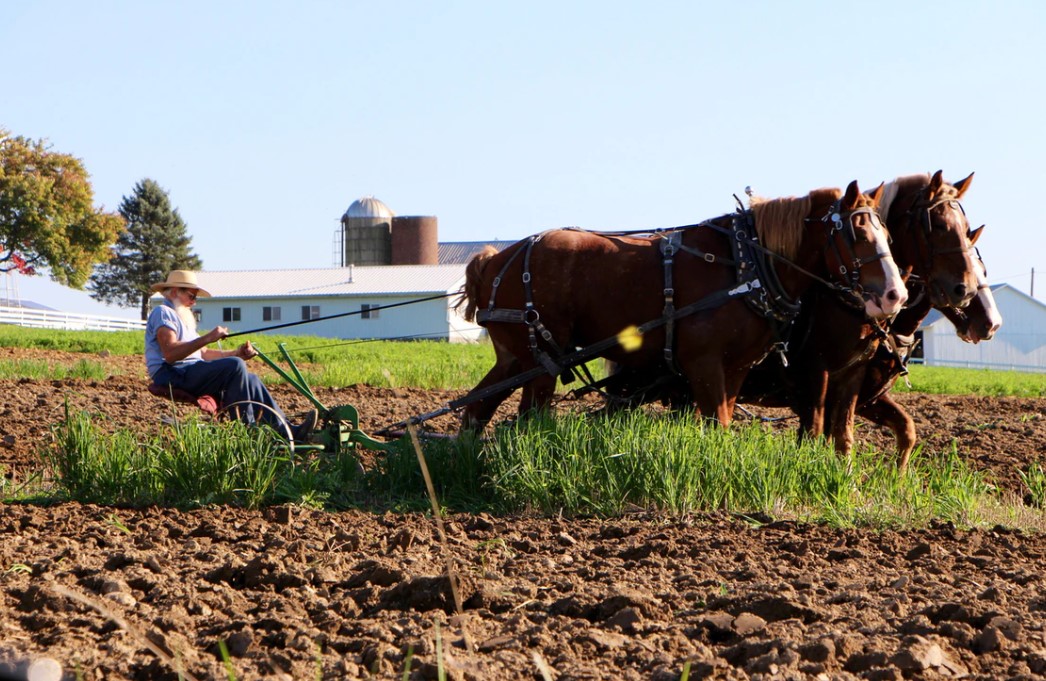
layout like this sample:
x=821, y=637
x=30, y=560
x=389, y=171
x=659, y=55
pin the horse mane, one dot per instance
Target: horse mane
x=779, y=223
x=895, y=187
x=911, y=183
x=469, y=293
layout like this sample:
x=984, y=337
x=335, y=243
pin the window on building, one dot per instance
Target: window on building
x=230, y=314
x=197, y=315
x=368, y=311
x=270, y=314
x=310, y=312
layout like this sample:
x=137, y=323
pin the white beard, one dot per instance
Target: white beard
x=187, y=318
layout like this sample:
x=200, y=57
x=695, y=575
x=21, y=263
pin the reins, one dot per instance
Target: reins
x=344, y=314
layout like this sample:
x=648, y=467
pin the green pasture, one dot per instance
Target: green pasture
x=423, y=364
x=987, y=382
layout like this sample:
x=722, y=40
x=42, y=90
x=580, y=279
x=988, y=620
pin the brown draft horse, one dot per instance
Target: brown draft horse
x=832, y=345
x=977, y=322
x=566, y=289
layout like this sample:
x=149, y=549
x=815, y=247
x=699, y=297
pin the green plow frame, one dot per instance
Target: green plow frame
x=338, y=427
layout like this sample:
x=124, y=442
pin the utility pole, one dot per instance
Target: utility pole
x=1033, y=282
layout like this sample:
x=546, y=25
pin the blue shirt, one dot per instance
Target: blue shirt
x=161, y=316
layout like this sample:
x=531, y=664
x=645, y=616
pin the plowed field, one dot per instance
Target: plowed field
x=117, y=593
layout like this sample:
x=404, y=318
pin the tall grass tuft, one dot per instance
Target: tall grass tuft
x=583, y=465
x=570, y=464
x=193, y=464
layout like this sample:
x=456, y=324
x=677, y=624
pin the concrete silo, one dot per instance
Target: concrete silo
x=367, y=233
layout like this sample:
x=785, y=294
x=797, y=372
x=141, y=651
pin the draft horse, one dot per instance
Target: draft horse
x=832, y=344
x=735, y=277
x=977, y=322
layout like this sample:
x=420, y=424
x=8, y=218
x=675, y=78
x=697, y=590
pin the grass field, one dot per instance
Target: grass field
x=433, y=364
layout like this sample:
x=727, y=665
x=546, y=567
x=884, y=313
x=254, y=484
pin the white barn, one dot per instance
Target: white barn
x=1020, y=344
x=259, y=299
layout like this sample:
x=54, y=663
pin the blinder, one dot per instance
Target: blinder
x=838, y=224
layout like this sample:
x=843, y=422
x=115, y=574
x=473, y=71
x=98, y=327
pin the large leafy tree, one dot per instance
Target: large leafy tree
x=47, y=214
x=154, y=243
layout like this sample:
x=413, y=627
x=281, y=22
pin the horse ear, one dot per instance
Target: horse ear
x=853, y=193
x=876, y=195
x=962, y=185
x=936, y=182
x=976, y=234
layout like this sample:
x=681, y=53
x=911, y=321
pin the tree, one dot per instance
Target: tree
x=47, y=214
x=154, y=243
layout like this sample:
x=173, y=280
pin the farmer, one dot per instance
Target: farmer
x=177, y=356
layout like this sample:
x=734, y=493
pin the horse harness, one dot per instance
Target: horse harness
x=757, y=282
x=921, y=210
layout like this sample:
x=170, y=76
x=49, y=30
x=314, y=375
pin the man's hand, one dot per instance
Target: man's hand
x=246, y=351
x=216, y=334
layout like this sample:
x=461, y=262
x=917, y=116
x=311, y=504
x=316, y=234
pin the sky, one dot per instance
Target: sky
x=265, y=120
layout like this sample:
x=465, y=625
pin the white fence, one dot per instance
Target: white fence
x=49, y=319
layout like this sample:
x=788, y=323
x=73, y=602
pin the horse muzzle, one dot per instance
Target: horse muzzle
x=886, y=305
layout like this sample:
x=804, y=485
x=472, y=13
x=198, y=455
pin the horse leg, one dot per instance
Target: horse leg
x=478, y=414
x=810, y=404
x=708, y=389
x=537, y=394
x=842, y=423
x=885, y=412
x=842, y=402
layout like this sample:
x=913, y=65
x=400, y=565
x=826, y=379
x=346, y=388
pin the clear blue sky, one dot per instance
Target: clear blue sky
x=265, y=120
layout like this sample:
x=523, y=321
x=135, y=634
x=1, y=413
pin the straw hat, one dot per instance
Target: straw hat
x=181, y=279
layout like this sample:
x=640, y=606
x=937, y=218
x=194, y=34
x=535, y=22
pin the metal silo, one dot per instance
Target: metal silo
x=367, y=233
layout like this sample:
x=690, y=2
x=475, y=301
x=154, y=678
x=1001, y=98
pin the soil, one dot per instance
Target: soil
x=295, y=594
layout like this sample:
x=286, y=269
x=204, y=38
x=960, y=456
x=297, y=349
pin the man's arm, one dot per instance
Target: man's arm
x=244, y=352
x=175, y=350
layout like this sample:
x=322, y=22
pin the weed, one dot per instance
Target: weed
x=1034, y=478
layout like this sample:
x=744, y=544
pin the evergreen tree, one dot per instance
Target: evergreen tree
x=154, y=243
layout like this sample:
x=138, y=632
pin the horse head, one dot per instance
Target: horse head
x=981, y=318
x=858, y=253
x=926, y=217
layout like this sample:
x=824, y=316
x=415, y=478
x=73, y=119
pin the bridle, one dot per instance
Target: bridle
x=850, y=264
x=921, y=210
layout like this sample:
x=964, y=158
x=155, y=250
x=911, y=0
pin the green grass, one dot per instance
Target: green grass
x=433, y=364
x=41, y=370
x=116, y=342
x=989, y=382
x=566, y=464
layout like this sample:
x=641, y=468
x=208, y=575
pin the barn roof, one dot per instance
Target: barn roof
x=333, y=281
x=460, y=252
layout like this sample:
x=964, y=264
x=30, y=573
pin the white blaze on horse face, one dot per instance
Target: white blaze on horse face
x=989, y=318
x=895, y=293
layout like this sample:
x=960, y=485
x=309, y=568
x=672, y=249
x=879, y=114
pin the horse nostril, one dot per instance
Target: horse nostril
x=892, y=295
x=960, y=290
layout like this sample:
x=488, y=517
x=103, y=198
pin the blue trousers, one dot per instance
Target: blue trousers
x=228, y=380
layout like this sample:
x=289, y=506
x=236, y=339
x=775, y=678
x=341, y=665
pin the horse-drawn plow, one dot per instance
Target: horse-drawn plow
x=808, y=303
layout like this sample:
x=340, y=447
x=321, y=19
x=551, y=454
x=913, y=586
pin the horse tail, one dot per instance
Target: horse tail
x=473, y=277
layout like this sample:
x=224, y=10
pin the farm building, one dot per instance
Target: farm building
x=1020, y=344
x=381, y=259
x=247, y=300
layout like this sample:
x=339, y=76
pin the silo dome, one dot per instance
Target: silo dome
x=368, y=207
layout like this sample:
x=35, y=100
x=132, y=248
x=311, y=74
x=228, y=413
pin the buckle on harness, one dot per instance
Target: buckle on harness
x=710, y=257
